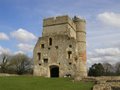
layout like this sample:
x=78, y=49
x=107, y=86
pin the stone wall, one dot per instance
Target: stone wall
x=105, y=82
x=106, y=86
x=5, y=74
x=57, y=54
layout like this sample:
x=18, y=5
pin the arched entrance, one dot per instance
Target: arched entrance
x=54, y=71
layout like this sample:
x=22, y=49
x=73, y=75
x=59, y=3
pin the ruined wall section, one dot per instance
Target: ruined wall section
x=57, y=54
x=37, y=49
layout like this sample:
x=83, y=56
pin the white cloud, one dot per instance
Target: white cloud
x=25, y=47
x=3, y=36
x=4, y=50
x=23, y=35
x=104, y=59
x=102, y=55
x=108, y=51
x=19, y=52
x=110, y=18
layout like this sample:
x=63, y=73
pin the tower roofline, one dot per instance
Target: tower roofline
x=58, y=20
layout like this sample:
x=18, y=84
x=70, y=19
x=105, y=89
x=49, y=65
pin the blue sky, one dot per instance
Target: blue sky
x=25, y=16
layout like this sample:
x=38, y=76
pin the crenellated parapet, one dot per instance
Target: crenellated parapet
x=58, y=21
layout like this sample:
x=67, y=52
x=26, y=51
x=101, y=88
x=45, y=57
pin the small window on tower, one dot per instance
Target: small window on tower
x=70, y=46
x=50, y=41
x=69, y=54
x=70, y=63
x=39, y=64
x=45, y=60
x=48, y=48
x=76, y=58
x=42, y=46
x=39, y=55
x=56, y=47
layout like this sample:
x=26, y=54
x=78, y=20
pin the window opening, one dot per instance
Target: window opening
x=50, y=41
x=69, y=54
x=45, y=60
x=39, y=56
x=42, y=46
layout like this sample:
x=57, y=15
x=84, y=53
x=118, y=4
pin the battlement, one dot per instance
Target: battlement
x=58, y=21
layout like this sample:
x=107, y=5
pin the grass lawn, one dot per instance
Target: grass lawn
x=40, y=83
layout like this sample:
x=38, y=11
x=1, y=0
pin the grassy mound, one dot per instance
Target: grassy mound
x=40, y=83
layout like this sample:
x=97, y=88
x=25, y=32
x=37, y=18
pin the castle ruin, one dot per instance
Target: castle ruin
x=61, y=51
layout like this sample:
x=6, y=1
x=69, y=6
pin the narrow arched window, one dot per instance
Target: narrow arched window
x=50, y=41
x=69, y=54
x=39, y=55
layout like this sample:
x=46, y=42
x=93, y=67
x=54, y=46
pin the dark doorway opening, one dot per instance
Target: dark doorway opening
x=54, y=71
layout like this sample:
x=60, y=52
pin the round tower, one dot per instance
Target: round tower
x=81, y=45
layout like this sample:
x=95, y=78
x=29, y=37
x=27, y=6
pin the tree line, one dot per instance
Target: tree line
x=22, y=64
x=104, y=69
x=16, y=64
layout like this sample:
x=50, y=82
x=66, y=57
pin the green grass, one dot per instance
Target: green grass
x=40, y=83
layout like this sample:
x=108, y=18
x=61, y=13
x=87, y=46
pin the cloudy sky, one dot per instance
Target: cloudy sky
x=21, y=25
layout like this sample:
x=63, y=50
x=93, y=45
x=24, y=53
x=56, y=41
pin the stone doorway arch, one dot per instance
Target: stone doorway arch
x=54, y=71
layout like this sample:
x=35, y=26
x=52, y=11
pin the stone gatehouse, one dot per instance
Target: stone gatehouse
x=61, y=51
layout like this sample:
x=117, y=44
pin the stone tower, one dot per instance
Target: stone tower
x=81, y=45
x=61, y=51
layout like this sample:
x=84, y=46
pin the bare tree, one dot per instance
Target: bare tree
x=108, y=69
x=21, y=63
x=4, y=63
x=117, y=68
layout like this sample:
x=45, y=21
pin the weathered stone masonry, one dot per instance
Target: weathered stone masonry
x=61, y=51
